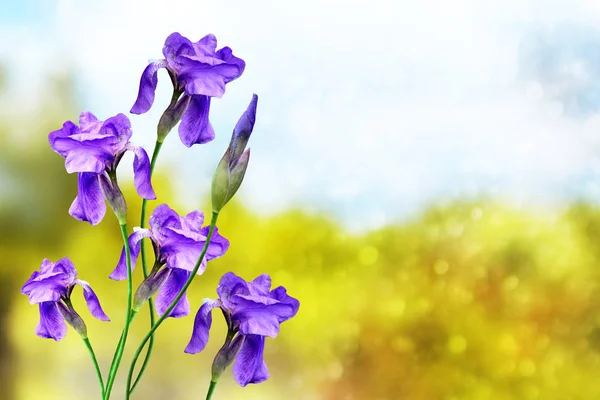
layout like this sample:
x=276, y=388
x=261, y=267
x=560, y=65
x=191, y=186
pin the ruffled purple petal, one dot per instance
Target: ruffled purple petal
x=182, y=253
x=195, y=128
x=230, y=285
x=202, y=324
x=141, y=172
x=169, y=291
x=84, y=156
x=118, y=130
x=260, y=285
x=239, y=65
x=280, y=294
x=148, y=83
x=52, y=324
x=193, y=221
x=120, y=271
x=163, y=216
x=89, y=123
x=175, y=46
x=68, y=129
x=259, y=315
x=218, y=244
x=89, y=204
x=206, y=46
x=249, y=365
x=39, y=291
x=92, y=301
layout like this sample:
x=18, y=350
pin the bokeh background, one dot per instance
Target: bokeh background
x=424, y=178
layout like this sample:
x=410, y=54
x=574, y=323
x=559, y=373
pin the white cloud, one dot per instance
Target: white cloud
x=367, y=108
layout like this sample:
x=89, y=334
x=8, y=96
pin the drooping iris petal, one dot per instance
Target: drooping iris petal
x=120, y=271
x=92, y=301
x=89, y=204
x=202, y=324
x=249, y=365
x=169, y=291
x=195, y=128
x=141, y=172
x=148, y=83
x=52, y=324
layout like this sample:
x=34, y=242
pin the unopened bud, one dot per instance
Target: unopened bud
x=149, y=287
x=172, y=116
x=73, y=319
x=226, y=355
x=114, y=197
x=227, y=179
x=231, y=169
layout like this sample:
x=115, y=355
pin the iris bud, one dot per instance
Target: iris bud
x=73, y=319
x=172, y=115
x=149, y=287
x=114, y=197
x=231, y=169
x=226, y=355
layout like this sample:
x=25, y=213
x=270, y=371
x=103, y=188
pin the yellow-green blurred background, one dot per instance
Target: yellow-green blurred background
x=443, y=237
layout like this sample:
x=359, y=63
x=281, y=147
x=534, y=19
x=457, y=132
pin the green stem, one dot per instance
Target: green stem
x=95, y=361
x=157, y=148
x=211, y=389
x=213, y=222
x=128, y=317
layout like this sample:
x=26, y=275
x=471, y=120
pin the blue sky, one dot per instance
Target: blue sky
x=370, y=110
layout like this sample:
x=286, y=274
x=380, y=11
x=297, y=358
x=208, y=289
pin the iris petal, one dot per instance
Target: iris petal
x=52, y=324
x=249, y=365
x=89, y=204
x=148, y=83
x=195, y=128
x=202, y=324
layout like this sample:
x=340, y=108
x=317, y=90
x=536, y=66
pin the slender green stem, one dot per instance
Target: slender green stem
x=157, y=148
x=213, y=222
x=211, y=389
x=128, y=317
x=95, y=361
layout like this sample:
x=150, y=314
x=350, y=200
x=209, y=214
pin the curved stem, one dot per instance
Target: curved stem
x=213, y=222
x=128, y=317
x=96, y=366
x=211, y=389
x=157, y=148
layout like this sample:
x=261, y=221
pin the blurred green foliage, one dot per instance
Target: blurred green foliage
x=472, y=300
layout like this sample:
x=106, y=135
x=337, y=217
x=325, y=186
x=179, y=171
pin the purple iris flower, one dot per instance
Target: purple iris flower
x=177, y=242
x=252, y=312
x=198, y=71
x=93, y=150
x=51, y=288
